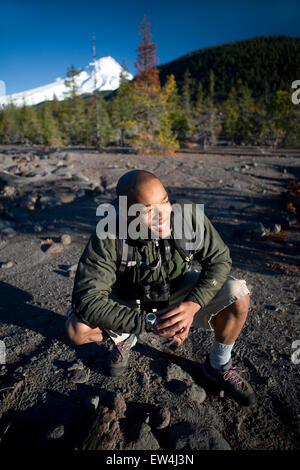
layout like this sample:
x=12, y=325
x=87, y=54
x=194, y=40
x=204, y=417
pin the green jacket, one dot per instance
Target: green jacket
x=97, y=272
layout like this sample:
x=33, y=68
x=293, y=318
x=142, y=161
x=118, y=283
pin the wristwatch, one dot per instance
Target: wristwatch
x=150, y=319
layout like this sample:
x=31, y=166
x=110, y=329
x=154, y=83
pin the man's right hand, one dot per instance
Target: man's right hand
x=175, y=320
x=180, y=336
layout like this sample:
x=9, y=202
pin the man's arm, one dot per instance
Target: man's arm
x=95, y=275
x=216, y=265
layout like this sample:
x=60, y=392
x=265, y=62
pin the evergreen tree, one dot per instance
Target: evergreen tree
x=30, y=124
x=187, y=124
x=122, y=109
x=73, y=112
x=106, y=132
x=241, y=119
x=147, y=74
x=10, y=131
x=231, y=115
x=50, y=130
x=213, y=120
x=153, y=131
x=200, y=116
x=174, y=111
x=283, y=120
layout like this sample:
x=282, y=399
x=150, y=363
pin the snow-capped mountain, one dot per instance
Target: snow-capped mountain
x=102, y=75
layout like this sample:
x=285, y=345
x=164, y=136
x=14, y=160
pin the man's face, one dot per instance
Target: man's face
x=157, y=210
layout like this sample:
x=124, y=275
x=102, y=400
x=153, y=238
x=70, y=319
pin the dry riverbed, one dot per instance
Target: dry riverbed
x=51, y=391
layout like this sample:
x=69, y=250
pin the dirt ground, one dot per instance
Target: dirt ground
x=41, y=407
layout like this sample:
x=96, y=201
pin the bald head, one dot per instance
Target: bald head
x=143, y=187
x=135, y=183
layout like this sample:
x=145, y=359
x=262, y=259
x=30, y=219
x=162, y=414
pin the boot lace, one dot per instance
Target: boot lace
x=119, y=350
x=232, y=376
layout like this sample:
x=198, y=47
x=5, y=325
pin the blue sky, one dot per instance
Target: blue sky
x=39, y=39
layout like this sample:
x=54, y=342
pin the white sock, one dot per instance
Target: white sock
x=220, y=354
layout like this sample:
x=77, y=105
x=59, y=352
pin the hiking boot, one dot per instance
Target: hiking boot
x=120, y=356
x=230, y=380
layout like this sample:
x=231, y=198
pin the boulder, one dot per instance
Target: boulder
x=194, y=393
x=145, y=439
x=80, y=177
x=65, y=239
x=9, y=192
x=60, y=171
x=66, y=198
x=175, y=372
x=79, y=376
x=29, y=201
x=104, y=431
x=188, y=436
x=160, y=418
x=48, y=201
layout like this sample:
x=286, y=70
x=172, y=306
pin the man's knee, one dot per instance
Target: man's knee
x=241, y=306
x=79, y=333
x=73, y=330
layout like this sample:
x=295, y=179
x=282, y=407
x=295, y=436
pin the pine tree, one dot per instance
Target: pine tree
x=213, y=120
x=147, y=73
x=55, y=107
x=231, y=115
x=241, y=121
x=73, y=113
x=153, y=133
x=187, y=123
x=106, y=133
x=122, y=109
x=30, y=124
x=50, y=130
x=173, y=108
x=199, y=113
x=282, y=120
x=10, y=131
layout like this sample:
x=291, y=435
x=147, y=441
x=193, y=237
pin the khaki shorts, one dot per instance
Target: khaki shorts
x=232, y=290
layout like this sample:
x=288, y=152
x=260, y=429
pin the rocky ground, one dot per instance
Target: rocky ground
x=55, y=395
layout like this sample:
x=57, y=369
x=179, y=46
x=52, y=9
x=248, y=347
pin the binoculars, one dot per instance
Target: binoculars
x=155, y=296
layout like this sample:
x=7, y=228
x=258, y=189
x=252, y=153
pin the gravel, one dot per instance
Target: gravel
x=35, y=293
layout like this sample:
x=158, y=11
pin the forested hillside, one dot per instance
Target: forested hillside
x=264, y=64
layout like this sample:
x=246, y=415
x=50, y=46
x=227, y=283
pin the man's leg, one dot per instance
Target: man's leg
x=80, y=333
x=229, y=322
x=227, y=325
x=225, y=315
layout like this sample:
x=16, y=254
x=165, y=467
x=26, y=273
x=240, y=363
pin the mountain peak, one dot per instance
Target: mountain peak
x=101, y=75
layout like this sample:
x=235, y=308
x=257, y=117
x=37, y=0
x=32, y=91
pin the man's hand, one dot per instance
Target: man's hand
x=174, y=321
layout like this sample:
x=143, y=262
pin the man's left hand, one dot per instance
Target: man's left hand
x=175, y=321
